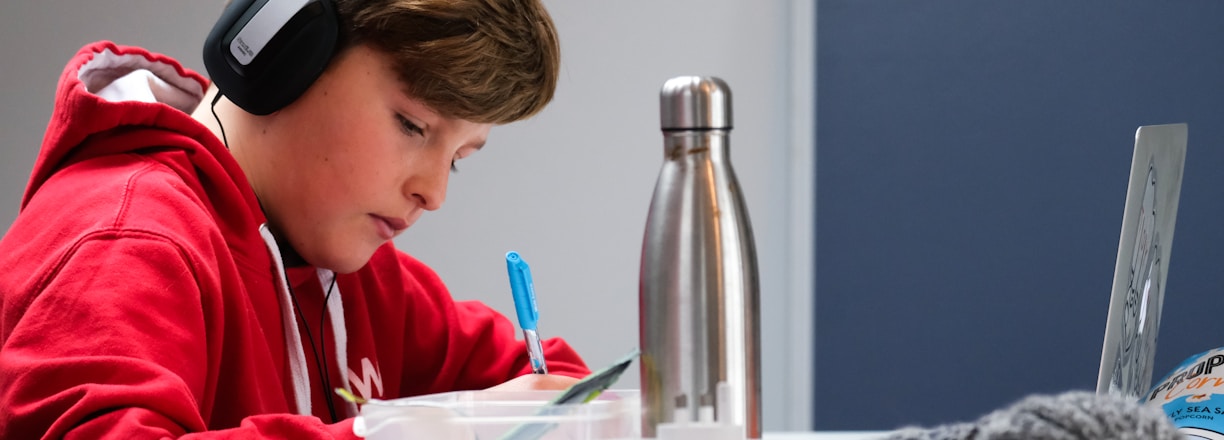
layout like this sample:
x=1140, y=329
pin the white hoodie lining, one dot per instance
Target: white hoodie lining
x=293, y=339
x=132, y=77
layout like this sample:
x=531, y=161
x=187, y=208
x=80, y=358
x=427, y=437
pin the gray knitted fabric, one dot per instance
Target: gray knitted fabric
x=1075, y=415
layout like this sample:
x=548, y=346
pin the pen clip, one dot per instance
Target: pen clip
x=523, y=289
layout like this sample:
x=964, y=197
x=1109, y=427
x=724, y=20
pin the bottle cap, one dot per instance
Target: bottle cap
x=695, y=103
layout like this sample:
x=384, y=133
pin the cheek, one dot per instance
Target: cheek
x=363, y=177
x=345, y=161
x=357, y=157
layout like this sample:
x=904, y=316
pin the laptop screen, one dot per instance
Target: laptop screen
x=1148, y=219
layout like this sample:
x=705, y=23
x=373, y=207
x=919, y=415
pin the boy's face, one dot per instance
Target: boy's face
x=355, y=161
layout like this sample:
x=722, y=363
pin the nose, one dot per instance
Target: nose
x=428, y=186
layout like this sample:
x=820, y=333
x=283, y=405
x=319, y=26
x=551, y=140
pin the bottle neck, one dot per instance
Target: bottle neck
x=711, y=143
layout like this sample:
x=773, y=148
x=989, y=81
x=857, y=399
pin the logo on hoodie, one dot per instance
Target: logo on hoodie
x=369, y=379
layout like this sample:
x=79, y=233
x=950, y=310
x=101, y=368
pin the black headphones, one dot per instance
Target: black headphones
x=263, y=54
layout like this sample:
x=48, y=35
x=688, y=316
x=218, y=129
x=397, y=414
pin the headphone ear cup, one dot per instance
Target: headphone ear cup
x=290, y=61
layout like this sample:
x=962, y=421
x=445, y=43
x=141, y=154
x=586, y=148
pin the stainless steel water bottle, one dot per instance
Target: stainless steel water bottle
x=699, y=305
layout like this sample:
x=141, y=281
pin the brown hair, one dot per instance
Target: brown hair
x=489, y=61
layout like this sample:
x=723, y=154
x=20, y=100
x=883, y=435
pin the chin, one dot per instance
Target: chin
x=347, y=268
x=352, y=265
x=347, y=263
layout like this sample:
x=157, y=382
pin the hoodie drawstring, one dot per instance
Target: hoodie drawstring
x=293, y=338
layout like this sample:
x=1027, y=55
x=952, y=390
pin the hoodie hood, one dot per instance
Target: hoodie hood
x=114, y=99
x=96, y=95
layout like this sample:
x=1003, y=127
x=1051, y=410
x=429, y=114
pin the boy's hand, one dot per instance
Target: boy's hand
x=530, y=382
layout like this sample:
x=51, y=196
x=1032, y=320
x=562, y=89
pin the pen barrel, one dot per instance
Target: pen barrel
x=698, y=292
x=535, y=351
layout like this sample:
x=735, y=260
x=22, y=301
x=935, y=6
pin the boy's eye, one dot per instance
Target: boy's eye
x=408, y=127
x=413, y=129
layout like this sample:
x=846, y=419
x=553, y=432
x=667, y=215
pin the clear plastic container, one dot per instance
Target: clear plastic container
x=493, y=415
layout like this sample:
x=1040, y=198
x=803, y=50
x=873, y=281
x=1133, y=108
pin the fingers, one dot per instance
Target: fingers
x=531, y=382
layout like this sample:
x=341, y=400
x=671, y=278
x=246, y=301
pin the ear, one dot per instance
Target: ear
x=263, y=54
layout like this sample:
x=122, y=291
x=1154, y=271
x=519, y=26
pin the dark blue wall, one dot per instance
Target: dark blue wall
x=972, y=161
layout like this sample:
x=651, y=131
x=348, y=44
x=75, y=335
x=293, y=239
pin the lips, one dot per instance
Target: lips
x=396, y=223
x=388, y=227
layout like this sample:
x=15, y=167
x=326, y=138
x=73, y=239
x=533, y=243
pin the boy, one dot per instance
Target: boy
x=185, y=262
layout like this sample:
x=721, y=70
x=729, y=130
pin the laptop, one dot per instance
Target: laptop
x=1143, y=260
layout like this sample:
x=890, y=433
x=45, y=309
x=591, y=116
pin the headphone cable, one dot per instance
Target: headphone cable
x=328, y=393
x=213, y=107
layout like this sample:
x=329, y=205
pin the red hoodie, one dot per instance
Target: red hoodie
x=142, y=296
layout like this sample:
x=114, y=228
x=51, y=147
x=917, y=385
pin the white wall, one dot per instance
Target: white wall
x=568, y=189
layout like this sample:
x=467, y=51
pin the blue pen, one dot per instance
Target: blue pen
x=525, y=306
